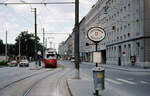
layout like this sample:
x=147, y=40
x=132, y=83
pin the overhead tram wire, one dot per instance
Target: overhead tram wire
x=57, y=33
x=37, y=3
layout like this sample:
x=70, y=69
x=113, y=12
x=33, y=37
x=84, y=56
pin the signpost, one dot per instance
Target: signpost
x=97, y=34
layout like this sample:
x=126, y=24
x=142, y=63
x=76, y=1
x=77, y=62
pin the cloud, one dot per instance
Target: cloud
x=55, y=18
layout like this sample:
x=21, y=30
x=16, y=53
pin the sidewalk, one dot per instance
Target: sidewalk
x=123, y=68
x=83, y=87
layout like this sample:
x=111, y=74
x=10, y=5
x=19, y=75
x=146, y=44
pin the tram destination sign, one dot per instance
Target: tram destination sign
x=96, y=34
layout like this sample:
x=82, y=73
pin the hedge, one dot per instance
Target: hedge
x=3, y=63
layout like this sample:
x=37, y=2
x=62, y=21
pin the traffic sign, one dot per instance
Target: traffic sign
x=124, y=53
x=96, y=34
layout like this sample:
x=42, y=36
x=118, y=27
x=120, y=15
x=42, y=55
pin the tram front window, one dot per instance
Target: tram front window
x=51, y=56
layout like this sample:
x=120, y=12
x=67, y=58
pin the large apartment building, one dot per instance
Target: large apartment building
x=127, y=27
x=126, y=24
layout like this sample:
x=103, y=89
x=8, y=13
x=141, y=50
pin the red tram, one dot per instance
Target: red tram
x=50, y=59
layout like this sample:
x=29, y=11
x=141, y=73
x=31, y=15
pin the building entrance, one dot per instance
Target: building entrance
x=119, y=57
x=103, y=56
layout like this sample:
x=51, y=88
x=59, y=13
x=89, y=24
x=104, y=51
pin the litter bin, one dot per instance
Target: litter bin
x=98, y=78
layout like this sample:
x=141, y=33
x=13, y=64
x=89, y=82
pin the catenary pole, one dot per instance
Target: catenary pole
x=19, y=49
x=35, y=41
x=6, y=47
x=76, y=40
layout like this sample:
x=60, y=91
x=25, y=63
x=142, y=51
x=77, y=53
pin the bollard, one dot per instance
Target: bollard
x=98, y=78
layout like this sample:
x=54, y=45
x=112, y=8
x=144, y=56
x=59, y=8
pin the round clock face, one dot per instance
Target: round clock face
x=96, y=34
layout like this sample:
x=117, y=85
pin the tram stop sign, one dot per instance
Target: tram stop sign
x=96, y=34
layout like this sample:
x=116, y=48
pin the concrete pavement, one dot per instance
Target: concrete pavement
x=85, y=86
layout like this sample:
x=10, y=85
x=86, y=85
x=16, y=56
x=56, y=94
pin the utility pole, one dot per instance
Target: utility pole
x=43, y=41
x=46, y=43
x=51, y=45
x=6, y=47
x=76, y=41
x=35, y=45
x=19, y=49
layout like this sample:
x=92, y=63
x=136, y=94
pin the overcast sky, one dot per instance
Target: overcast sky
x=54, y=18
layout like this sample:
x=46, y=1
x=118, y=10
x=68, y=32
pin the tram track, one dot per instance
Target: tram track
x=29, y=85
x=58, y=82
x=19, y=80
x=29, y=90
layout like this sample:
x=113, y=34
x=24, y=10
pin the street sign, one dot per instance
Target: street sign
x=97, y=57
x=124, y=53
x=96, y=34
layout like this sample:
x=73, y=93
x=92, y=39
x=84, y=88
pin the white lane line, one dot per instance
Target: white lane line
x=112, y=81
x=126, y=81
x=143, y=82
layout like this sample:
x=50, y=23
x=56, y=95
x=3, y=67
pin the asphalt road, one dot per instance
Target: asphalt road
x=15, y=81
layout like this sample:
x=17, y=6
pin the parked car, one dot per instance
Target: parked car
x=12, y=63
x=72, y=59
x=24, y=63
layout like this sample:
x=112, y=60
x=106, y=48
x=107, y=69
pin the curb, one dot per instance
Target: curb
x=69, y=88
x=122, y=69
x=129, y=70
x=3, y=66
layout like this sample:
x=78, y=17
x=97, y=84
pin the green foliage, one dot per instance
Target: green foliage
x=1, y=42
x=3, y=63
x=1, y=47
x=27, y=44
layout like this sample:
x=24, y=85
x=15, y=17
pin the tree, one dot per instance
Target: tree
x=27, y=44
x=1, y=47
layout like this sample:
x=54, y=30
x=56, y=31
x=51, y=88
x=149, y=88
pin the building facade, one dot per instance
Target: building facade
x=66, y=48
x=126, y=25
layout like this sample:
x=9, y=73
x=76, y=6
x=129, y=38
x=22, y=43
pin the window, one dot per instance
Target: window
x=124, y=46
x=128, y=34
x=124, y=36
x=129, y=50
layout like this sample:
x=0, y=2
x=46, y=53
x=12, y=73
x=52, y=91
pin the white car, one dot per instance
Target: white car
x=12, y=63
x=24, y=63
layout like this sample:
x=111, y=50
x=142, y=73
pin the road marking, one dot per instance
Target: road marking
x=144, y=82
x=112, y=81
x=126, y=81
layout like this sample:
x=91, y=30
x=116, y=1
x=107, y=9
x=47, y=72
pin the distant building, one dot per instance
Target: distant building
x=66, y=48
